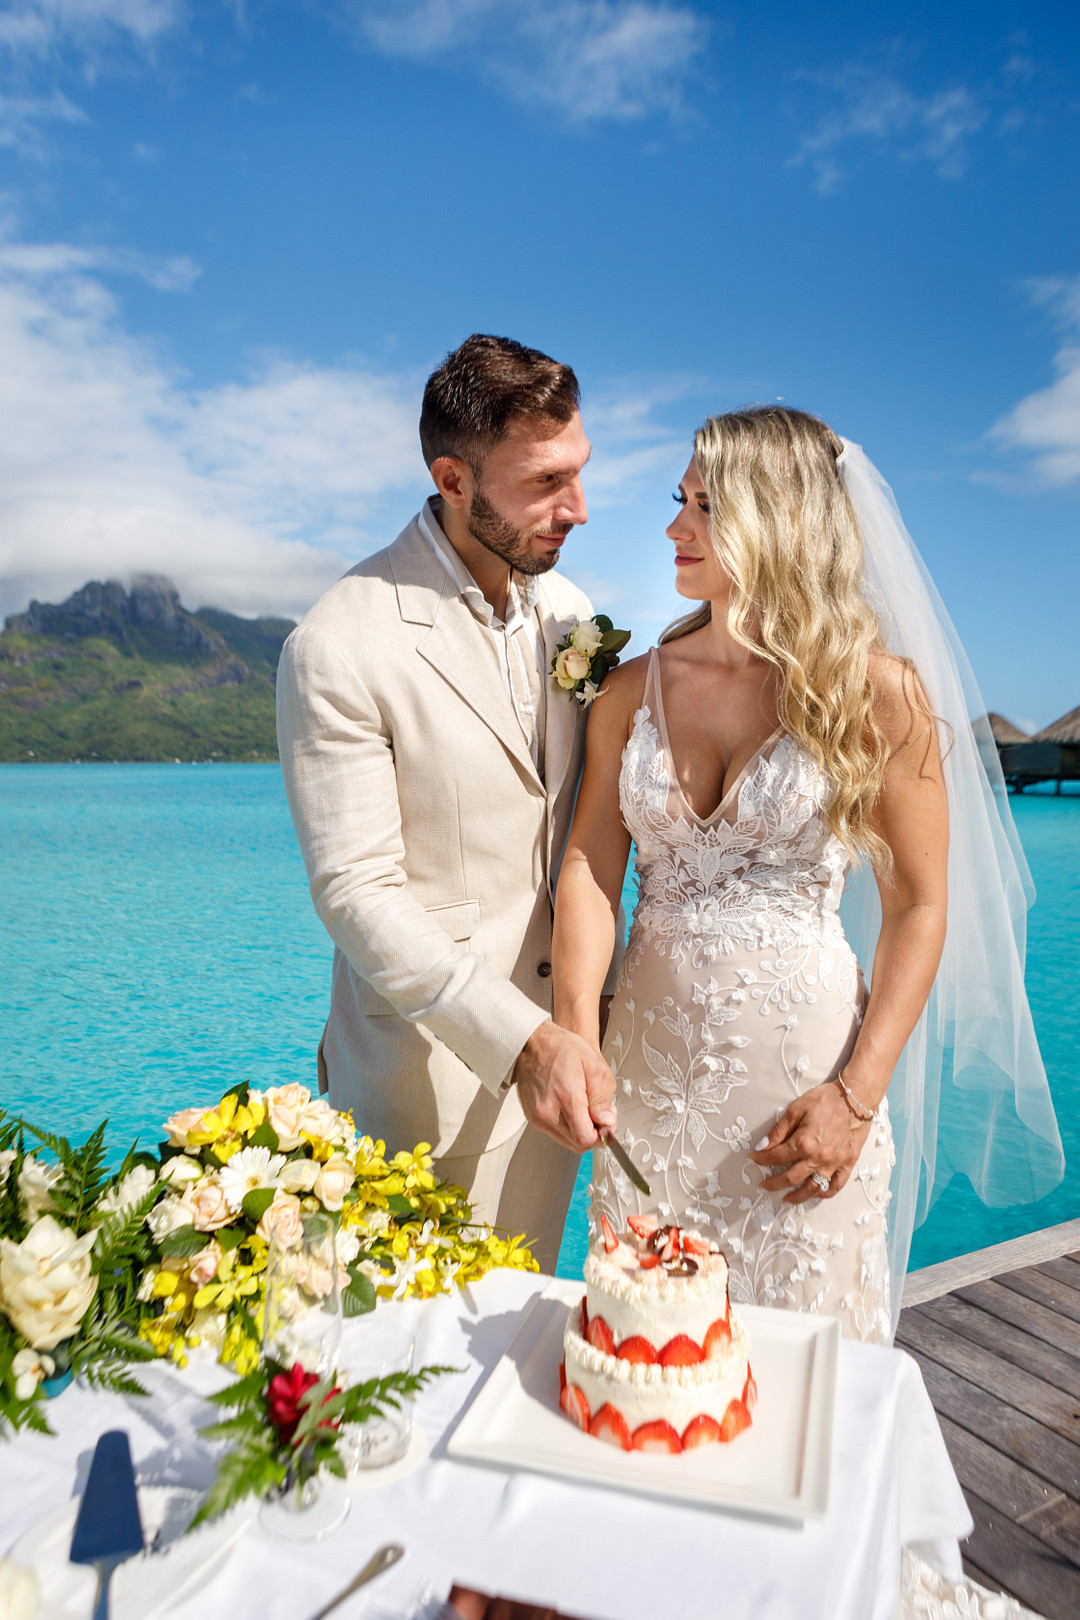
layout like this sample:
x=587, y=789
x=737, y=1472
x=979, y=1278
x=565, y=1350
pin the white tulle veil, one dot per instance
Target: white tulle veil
x=969, y=1095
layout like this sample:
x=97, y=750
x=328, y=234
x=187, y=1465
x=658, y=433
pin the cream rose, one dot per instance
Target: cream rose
x=283, y=1220
x=169, y=1216
x=127, y=1193
x=181, y=1170
x=30, y=1367
x=204, y=1266
x=45, y=1282
x=181, y=1124
x=36, y=1182
x=322, y=1122
x=586, y=637
x=348, y=1245
x=334, y=1180
x=209, y=1326
x=299, y=1175
x=285, y=1107
x=20, y=1594
x=570, y=667
x=208, y=1204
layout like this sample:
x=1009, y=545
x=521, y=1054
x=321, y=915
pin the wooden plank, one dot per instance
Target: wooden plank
x=1045, y=1291
x=1013, y=1490
x=1025, y=1314
x=1009, y=1383
x=1045, y=1580
x=1012, y=1343
x=1017, y=1435
x=933, y=1281
x=1064, y=1271
x=973, y=1572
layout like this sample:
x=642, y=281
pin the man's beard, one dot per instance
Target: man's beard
x=487, y=525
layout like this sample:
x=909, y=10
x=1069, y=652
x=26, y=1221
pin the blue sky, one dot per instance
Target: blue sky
x=235, y=238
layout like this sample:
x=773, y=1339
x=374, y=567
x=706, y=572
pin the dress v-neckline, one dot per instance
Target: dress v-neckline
x=666, y=745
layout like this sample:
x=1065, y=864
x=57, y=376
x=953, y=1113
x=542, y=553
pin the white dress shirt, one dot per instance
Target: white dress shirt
x=518, y=638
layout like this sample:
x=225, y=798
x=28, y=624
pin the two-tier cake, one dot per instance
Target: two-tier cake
x=655, y=1360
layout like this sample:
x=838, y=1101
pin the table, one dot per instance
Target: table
x=591, y=1552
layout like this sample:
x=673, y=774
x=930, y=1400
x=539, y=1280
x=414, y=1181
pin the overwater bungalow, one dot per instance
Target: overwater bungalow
x=1051, y=755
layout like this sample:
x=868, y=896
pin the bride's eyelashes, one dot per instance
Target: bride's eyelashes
x=680, y=500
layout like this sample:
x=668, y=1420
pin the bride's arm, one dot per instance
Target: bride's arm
x=820, y=1131
x=594, y=865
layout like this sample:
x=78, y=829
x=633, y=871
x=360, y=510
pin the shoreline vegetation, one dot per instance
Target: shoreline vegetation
x=119, y=677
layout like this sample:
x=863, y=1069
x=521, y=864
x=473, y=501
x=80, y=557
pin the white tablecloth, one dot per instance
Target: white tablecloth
x=593, y=1553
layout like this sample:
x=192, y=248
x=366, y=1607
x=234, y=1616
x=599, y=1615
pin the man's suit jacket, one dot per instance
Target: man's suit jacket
x=429, y=841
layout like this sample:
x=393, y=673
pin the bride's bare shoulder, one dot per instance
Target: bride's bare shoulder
x=901, y=707
x=621, y=693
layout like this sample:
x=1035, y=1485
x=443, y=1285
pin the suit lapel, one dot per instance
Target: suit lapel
x=565, y=717
x=455, y=644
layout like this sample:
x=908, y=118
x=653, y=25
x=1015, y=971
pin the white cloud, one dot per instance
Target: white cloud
x=254, y=496
x=588, y=59
x=1045, y=426
x=873, y=107
x=37, y=26
x=22, y=116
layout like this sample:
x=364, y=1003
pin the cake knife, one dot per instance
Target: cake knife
x=624, y=1161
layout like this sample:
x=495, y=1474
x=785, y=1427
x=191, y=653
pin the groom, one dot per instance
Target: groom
x=431, y=767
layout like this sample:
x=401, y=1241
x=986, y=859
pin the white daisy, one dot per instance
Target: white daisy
x=247, y=1170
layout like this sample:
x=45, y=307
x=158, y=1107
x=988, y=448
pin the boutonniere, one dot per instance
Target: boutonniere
x=585, y=655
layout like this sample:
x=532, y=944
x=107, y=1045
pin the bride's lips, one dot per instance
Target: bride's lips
x=683, y=561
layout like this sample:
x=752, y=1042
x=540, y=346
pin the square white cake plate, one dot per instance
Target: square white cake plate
x=780, y=1467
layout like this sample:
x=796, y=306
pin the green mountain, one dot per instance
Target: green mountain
x=113, y=675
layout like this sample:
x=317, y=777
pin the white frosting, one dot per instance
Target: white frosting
x=654, y=1303
x=644, y=1393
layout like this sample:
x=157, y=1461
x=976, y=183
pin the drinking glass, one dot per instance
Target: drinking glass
x=302, y=1318
x=380, y=1348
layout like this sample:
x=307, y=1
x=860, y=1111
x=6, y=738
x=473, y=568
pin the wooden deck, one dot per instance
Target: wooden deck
x=997, y=1335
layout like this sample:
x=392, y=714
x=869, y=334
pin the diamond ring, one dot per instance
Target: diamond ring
x=823, y=1182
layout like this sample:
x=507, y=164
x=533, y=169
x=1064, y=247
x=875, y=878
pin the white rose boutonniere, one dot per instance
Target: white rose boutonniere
x=584, y=656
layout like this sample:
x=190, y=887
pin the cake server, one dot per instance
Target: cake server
x=375, y=1565
x=108, y=1528
x=624, y=1161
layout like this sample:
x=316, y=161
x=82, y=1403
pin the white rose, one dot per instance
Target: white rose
x=181, y=1171
x=299, y=1175
x=334, y=1180
x=322, y=1122
x=36, y=1182
x=208, y=1204
x=283, y=1219
x=205, y=1264
x=127, y=1193
x=285, y=1110
x=586, y=637
x=182, y=1123
x=20, y=1595
x=45, y=1282
x=209, y=1326
x=348, y=1245
x=30, y=1367
x=570, y=667
x=169, y=1216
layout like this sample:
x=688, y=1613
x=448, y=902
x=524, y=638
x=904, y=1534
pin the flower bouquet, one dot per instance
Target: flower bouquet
x=73, y=1242
x=252, y=1167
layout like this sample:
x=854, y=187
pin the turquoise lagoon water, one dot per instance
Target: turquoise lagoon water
x=158, y=944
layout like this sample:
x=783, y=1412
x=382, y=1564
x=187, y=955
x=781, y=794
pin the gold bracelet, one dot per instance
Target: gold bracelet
x=867, y=1116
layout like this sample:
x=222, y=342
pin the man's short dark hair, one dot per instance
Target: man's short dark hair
x=472, y=398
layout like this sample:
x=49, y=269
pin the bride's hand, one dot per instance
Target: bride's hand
x=818, y=1132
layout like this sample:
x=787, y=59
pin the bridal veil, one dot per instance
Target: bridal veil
x=969, y=1095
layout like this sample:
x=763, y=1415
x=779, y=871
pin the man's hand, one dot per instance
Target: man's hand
x=565, y=1087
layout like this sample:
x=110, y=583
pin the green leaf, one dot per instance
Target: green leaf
x=602, y=621
x=359, y=1297
x=183, y=1242
x=257, y=1202
x=614, y=641
x=398, y=1204
x=239, y=1091
x=230, y=1237
x=265, y=1136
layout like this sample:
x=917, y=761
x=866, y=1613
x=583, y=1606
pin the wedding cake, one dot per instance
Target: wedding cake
x=654, y=1358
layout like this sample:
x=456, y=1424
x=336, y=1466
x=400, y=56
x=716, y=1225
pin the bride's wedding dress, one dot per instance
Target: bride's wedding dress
x=738, y=991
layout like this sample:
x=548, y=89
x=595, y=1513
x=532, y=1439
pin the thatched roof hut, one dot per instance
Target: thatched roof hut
x=1065, y=730
x=1003, y=731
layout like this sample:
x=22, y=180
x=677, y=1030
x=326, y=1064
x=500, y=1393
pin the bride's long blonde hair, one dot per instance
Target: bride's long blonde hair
x=784, y=531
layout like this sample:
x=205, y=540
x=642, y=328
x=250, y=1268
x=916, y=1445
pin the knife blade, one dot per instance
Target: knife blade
x=624, y=1161
x=108, y=1528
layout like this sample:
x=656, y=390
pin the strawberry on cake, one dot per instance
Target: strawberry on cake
x=654, y=1358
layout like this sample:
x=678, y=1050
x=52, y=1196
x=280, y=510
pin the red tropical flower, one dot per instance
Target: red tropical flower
x=283, y=1398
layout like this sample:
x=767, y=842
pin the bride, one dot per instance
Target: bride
x=814, y=717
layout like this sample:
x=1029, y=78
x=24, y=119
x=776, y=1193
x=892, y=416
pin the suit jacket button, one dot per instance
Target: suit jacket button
x=544, y=970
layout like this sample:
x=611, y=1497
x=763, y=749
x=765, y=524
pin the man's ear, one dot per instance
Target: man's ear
x=454, y=480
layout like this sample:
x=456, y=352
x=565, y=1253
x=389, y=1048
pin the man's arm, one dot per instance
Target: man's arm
x=338, y=765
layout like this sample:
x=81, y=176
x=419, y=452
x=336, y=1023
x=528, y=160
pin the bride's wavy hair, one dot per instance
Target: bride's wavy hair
x=785, y=533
